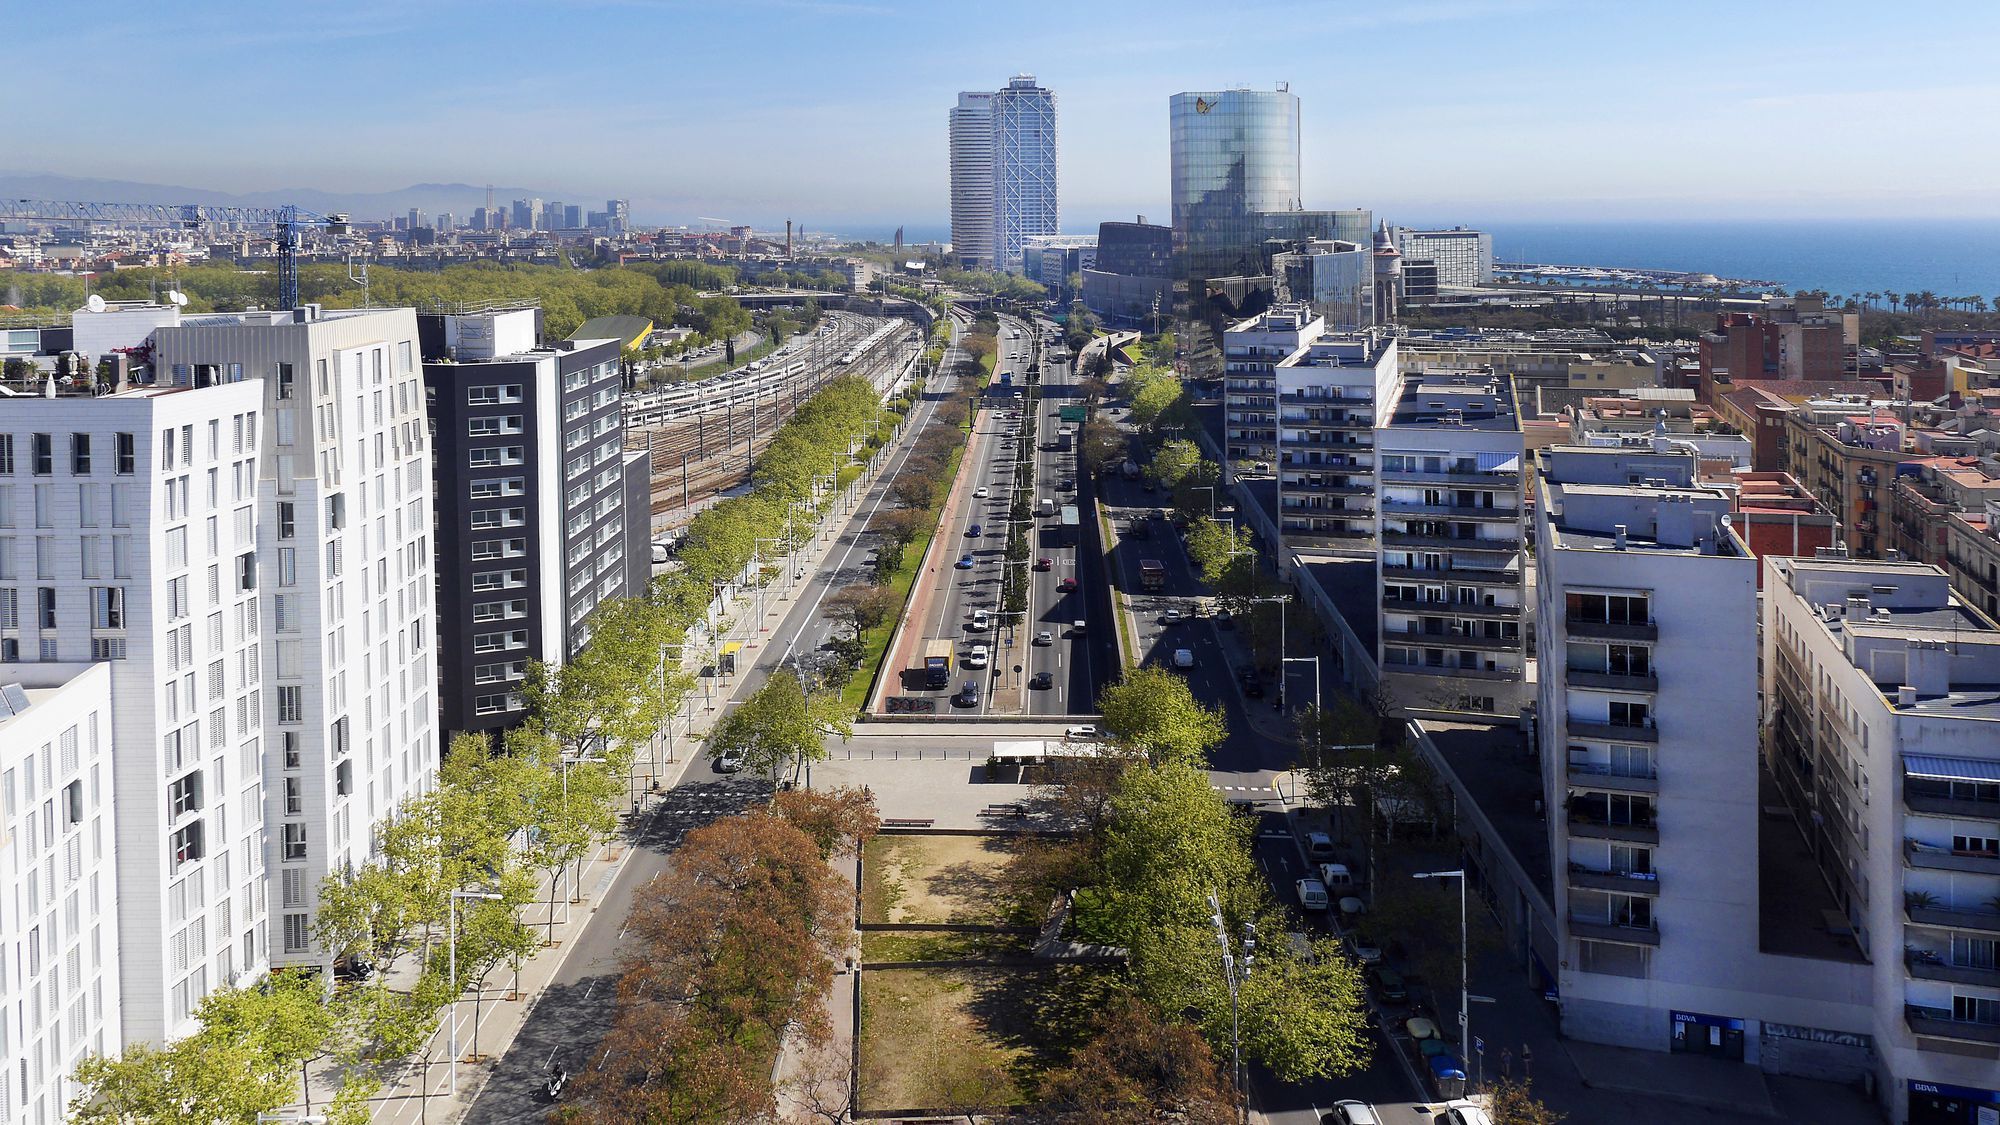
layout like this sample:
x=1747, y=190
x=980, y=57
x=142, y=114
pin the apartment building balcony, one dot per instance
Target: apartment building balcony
x=1599, y=777
x=1415, y=541
x=1289, y=489
x=1580, y=628
x=1332, y=396
x=1408, y=668
x=1611, y=931
x=1454, y=574
x=1927, y=964
x=1588, y=828
x=1935, y=805
x=1612, y=732
x=1622, y=882
x=1951, y=918
x=1450, y=638
x=1937, y=1023
x=1506, y=480
x=1316, y=440
x=1456, y=609
x=1611, y=681
x=1451, y=511
x=1945, y=859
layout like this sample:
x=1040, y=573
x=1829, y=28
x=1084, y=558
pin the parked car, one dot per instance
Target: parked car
x=1363, y=947
x=1253, y=684
x=1351, y=1112
x=1463, y=1112
x=1338, y=879
x=729, y=761
x=1041, y=681
x=1312, y=894
x=1388, y=984
x=1319, y=846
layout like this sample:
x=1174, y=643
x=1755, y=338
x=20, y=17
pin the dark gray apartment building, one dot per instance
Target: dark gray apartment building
x=541, y=513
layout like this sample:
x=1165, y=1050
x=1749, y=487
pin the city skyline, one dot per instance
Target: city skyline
x=1679, y=117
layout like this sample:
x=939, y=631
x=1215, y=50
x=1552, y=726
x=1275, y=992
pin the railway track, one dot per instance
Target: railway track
x=700, y=449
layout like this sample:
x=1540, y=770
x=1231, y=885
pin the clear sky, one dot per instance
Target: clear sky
x=833, y=112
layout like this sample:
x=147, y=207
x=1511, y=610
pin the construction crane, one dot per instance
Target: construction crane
x=290, y=222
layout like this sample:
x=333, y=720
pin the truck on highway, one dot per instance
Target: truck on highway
x=1152, y=574
x=1072, y=525
x=937, y=663
x=1065, y=439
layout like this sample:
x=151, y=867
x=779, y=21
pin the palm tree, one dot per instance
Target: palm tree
x=1871, y=299
x=1893, y=297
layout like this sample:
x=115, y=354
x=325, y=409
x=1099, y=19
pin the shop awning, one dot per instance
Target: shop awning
x=1939, y=768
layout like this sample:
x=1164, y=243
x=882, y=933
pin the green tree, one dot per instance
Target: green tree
x=1514, y=1103
x=1152, y=711
x=1153, y=391
x=1227, y=556
x=781, y=724
x=1179, y=463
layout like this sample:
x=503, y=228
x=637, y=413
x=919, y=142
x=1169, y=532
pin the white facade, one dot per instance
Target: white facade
x=1251, y=351
x=344, y=547
x=128, y=534
x=1326, y=396
x=1883, y=700
x=972, y=196
x=1448, y=450
x=59, y=933
x=1463, y=257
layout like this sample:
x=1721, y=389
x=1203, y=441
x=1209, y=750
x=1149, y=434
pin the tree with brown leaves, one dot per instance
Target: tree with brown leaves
x=1139, y=1069
x=840, y=821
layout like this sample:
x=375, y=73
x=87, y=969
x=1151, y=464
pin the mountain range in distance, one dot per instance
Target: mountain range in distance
x=432, y=199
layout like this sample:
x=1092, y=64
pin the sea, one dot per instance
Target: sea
x=1951, y=258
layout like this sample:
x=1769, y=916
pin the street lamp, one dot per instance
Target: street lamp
x=1281, y=599
x=1231, y=974
x=566, y=761
x=1210, y=489
x=451, y=964
x=757, y=567
x=1464, y=967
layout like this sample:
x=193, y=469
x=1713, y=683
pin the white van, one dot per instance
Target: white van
x=1338, y=879
x=1047, y=507
x=1312, y=894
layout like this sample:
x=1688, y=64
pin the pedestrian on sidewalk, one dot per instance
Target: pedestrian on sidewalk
x=1527, y=1060
x=1506, y=1064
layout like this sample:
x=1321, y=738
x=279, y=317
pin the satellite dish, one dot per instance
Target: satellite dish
x=177, y=297
x=95, y=303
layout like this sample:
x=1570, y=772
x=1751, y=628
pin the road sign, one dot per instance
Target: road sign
x=1478, y=1045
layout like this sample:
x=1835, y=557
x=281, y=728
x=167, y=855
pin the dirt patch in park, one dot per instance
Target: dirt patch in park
x=937, y=879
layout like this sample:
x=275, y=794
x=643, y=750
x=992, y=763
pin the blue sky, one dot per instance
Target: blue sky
x=832, y=112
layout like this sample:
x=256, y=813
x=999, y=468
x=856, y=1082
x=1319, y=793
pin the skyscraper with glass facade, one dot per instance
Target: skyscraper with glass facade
x=1233, y=154
x=1025, y=198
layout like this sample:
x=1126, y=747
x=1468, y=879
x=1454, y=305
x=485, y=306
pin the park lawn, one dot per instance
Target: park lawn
x=965, y=1037
x=875, y=641
x=916, y=878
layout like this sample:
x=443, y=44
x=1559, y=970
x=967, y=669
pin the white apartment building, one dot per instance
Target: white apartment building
x=1251, y=352
x=344, y=553
x=1450, y=522
x=972, y=180
x=1463, y=257
x=1327, y=392
x=59, y=936
x=1882, y=694
x=128, y=537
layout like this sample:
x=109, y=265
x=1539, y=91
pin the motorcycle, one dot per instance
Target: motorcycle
x=553, y=1085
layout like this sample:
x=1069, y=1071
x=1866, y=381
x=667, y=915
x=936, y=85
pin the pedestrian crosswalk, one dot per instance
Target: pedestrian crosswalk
x=1243, y=788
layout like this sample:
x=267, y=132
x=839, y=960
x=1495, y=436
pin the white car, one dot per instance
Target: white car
x=1183, y=658
x=1044, y=638
x=1463, y=1112
x=1351, y=1112
x=980, y=620
x=729, y=761
x=1172, y=617
x=978, y=657
x=980, y=493
x=1086, y=732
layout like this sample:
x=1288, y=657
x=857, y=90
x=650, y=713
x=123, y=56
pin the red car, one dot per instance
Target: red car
x=1066, y=585
x=1044, y=564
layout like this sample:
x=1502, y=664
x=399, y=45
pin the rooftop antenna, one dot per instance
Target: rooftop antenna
x=94, y=303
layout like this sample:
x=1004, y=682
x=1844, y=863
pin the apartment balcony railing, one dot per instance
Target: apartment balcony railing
x=1454, y=511
x=1406, y=668
x=1454, y=574
x=1601, y=777
x=1945, y=859
x=1984, y=921
x=1612, y=630
x=1416, y=541
x=1949, y=806
x=1648, y=934
x=1288, y=489
x=1937, y=1023
x=1927, y=964
x=1455, y=609
x=1623, y=882
x=1591, y=828
x=1611, y=681
x=1613, y=732
x=1447, y=638
x=1418, y=476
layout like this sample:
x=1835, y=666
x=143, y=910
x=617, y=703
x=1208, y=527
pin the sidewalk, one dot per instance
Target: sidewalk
x=504, y=1004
